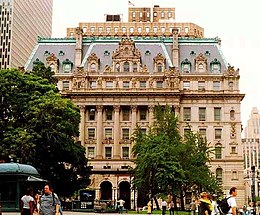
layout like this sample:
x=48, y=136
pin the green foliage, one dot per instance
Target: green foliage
x=166, y=161
x=38, y=126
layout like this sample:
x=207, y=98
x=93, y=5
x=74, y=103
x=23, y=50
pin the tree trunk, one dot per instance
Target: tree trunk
x=182, y=199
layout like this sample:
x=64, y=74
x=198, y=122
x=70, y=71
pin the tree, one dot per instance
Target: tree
x=166, y=161
x=38, y=126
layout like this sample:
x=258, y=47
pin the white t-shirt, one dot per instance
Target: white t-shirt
x=26, y=200
x=232, y=203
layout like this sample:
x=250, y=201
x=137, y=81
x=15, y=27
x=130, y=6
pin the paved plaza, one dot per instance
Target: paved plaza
x=66, y=213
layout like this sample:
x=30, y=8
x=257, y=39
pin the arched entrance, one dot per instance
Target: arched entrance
x=106, y=190
x=125, y=193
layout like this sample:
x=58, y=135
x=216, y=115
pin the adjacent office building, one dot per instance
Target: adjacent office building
x=21, y=22
x=116, y=72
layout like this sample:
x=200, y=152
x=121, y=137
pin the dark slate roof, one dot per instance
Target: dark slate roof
x=17, y=169
x=154, y=45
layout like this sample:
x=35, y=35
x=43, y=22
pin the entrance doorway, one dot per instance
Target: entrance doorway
x=106, y=190
x=125, y=193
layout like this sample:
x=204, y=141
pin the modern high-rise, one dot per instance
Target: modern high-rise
x=21, y=22
x=116, y=72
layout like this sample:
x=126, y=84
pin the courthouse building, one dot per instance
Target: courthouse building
x=116, y=72
x=21, y=22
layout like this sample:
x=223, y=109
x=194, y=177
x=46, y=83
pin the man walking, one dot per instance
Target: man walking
x=49, y=202
x=232, y=201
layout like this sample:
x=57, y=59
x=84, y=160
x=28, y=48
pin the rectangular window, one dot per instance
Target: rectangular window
x=125, y=133
x=116, y=29
x=201, y=85
x=125, y=152
x=109, y=114
x=91, y=133
x=217, y=114
x=139, y=29
x=125, y=113
x=142, y=84
x=108, y=133
x=186, y=131
x=100, y=29
x=202, y=114
x=147, y=29
x=218, y=133
x=109, y=84
x=92, y=113
x=92, y=84
x=159, y=84
x=203, y=132
x=143, y=114
x=216, y=85
x=108, y=152
x=186, y=114
x=186, y=85
x=233, y=150
x=91, y=152
x=125, y=84
x=65, y=85
x=143, y=130
x=218, y=153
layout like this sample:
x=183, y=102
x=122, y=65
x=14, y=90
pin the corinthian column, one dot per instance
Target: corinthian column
x=99, y=132
x=82, y=125
x=151, y=114
x=117, y=132
x=134, y=109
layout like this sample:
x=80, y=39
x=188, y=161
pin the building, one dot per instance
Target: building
x=252, y=129
x=116, y=72
x=21, y=23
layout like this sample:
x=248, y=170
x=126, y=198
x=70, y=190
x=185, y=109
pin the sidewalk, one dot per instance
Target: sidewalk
x=67, y=213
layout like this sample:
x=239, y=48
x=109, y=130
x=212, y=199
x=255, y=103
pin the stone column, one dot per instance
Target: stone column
x=151, y=114
x=134, y=109
x=82, y=125
x=117, y=132
x=99, y=133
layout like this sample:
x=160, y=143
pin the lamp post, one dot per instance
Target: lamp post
x=253, y=190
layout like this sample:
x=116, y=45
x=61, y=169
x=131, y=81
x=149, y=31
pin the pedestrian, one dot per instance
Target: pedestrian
x=121, y=205
x=171, y=208
x=149, y=207
x=215, y=210
x=232, y=201
x=164, y=205
x=27, y=203
x=49, y=202
x=205, y=206
x=193, y=207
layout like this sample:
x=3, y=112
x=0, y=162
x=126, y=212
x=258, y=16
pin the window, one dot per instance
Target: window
x=108, y=152
x=131, y=30
x=186, y=131
x=186, y=30
x=216, y=85
x=91, y=133
x=126, y=67
x=92, y=84
x=142, y=84
x=162, y=15
x=186, y=85
x=203, y=132
x=92, y=113
x=155, y=29
x=91, y=152
x=217, y=114
x=109, y=84
x=163, y=29
x=109, y=114
x=216, y=68
x=125, y=133
x=117, y=67
x=233, y=150
x=67, y=68
x=155, y=14
x=135, y=67
x=124, y=29
x=65, y=85
x=218, y=151
x=84, y=30
x=100, y=30
x=125, y=84
x=232, y=114
x=143, y=130
x=231, y=85
x=186, y=114
x=116, y=29
x=202, y=114
x=147, y=29
x=219, y=175
x=201, y=85
x=169, y=14
x=92, y=30
x=143, y=113
x=218, y=133
x=93, y=67
x=141, y=14
x=234, y=175
x=125, y=152
x=133, y=15
x=159, y=84
x=159, y=67
x=108, y=133
x=186, y=67
x=201, y=68
x=139, y=29
x=125, y=113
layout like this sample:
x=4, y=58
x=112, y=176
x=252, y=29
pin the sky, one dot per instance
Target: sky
x=235, y=22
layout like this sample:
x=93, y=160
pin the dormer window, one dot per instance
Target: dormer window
x=186, y=66
x=67, y=66
x=126, y=67
x=117, y=67
x=52, y=68
x=201, y=68
x=93, y=67
x=135, y=67
x=159, y=67
x=215, y=66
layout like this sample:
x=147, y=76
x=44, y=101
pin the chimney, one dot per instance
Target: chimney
x=78, y=50
x=175, y=49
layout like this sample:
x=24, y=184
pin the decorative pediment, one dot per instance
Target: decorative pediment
x=79, y=72
x=173, y=71
x=159, y=58
x=200, y=59
x=232, y=72
x=93, y=58
x=127, y=51
x=52, y=59
x=201, y=63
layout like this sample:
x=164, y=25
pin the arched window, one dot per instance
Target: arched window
x=93, y=67
x=186, y=66
x=159, y=67
x=218, y=151
x=117, y=67
x=232, y=114
x=201, y=68
x=231, y=85
x=126, y=67
x=216, y=68
x=219, y=174
x=52, y=67
x=135, y=67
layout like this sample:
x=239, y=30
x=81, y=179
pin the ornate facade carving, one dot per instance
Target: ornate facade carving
x=79, y=78
x=231, y=72
x=53, y=62
x=233, y=130
x=93, y=62
x=201, y=64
